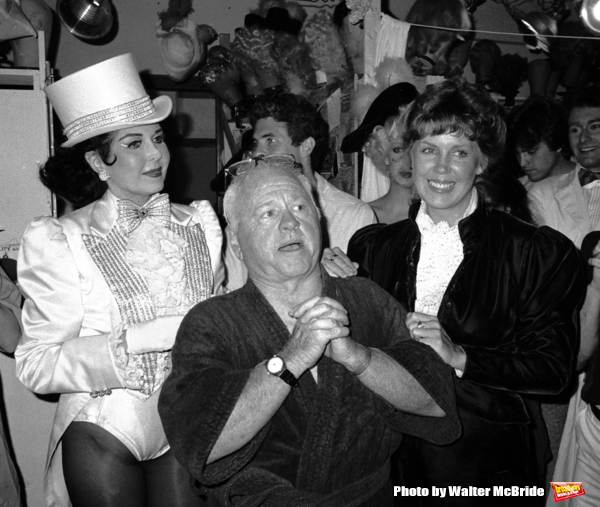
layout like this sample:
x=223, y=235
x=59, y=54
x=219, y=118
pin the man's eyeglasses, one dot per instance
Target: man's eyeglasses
x=284, y=160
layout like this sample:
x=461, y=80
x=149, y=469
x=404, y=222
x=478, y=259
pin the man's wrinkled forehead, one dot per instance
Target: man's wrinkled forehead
x=265, y=177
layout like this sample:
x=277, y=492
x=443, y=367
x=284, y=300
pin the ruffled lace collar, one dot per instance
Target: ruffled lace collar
x=425, y=222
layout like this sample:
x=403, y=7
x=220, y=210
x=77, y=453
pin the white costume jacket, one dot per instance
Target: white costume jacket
x=83, y=286
x=563, y=204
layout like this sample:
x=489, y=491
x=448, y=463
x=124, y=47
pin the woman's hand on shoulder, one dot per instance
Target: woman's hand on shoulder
x=428, y=330
x=594, y=261
x=338, y=264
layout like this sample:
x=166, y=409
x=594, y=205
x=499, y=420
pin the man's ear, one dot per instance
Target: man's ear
x=307, y=146
x=94, y=161
x=233, y=241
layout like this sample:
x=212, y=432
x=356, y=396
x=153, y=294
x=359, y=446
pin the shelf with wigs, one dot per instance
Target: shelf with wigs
x=280, y=48
x=339, y=58
x=306, y=58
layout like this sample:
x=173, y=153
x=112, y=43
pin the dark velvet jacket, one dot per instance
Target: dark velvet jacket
x=328, y=444
x=512, y=304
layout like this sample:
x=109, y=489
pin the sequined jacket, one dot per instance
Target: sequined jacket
x=71, y=314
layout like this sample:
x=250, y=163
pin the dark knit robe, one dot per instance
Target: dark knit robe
x=328, y=444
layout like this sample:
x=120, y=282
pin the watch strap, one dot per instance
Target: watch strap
x=288, y=377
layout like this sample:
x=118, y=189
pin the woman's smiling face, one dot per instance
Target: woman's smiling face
x=444, y=169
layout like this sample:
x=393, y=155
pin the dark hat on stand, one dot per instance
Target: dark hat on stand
x=385, y=105
x=277, y=19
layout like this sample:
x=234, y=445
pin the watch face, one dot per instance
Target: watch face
x=275, y=365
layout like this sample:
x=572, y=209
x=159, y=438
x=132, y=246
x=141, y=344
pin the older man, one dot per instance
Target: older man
x=295, y=389
x=289, y=124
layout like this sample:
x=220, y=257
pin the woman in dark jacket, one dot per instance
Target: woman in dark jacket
x=495, y=297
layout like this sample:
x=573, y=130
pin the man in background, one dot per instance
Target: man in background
x=570, y=203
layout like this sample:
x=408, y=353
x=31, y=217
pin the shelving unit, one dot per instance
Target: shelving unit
x=34, y=78
x=26, y=138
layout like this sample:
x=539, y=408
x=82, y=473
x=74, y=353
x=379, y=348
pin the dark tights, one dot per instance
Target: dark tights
x=101, y=472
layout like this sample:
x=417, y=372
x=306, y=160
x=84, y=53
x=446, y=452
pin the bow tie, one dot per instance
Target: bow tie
x=586, y=176
x=157, y=209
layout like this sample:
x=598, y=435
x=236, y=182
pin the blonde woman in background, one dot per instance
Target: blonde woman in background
x=379, y=137
x=386, y=149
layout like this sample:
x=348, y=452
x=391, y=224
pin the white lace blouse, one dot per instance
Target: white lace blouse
x=441, y=254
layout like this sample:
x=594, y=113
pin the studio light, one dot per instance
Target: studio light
x=590, y=15
x=87, y=19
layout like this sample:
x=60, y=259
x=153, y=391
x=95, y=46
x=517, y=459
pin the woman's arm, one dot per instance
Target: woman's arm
x=54, y=355
x=537, y=356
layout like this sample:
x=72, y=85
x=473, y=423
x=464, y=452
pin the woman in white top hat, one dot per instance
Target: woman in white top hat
x=106, y=288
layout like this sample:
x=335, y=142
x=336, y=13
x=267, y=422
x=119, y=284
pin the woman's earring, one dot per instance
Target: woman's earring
x=104, y=176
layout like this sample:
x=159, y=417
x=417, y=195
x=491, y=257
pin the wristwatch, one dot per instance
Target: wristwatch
x=276, y=366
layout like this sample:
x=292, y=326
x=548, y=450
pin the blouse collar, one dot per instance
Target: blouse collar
x=425, y=222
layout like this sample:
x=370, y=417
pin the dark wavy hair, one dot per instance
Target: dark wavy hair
x=462, y=108
x=301, y=119
x=502, y=190
x=585, y=96
x=68, y=174
x=537, y=120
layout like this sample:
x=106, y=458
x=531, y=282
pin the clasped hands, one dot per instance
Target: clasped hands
x=428, y=330
x=322, y=329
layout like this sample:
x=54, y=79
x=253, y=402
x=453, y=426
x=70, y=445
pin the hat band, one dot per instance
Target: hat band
x=124, y=113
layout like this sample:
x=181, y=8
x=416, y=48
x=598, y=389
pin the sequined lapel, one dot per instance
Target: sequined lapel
x=127, y=287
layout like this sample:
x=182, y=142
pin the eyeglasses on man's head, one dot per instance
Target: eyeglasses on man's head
x=284, y=160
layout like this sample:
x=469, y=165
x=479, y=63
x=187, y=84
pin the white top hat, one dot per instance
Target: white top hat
x=103, y=98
